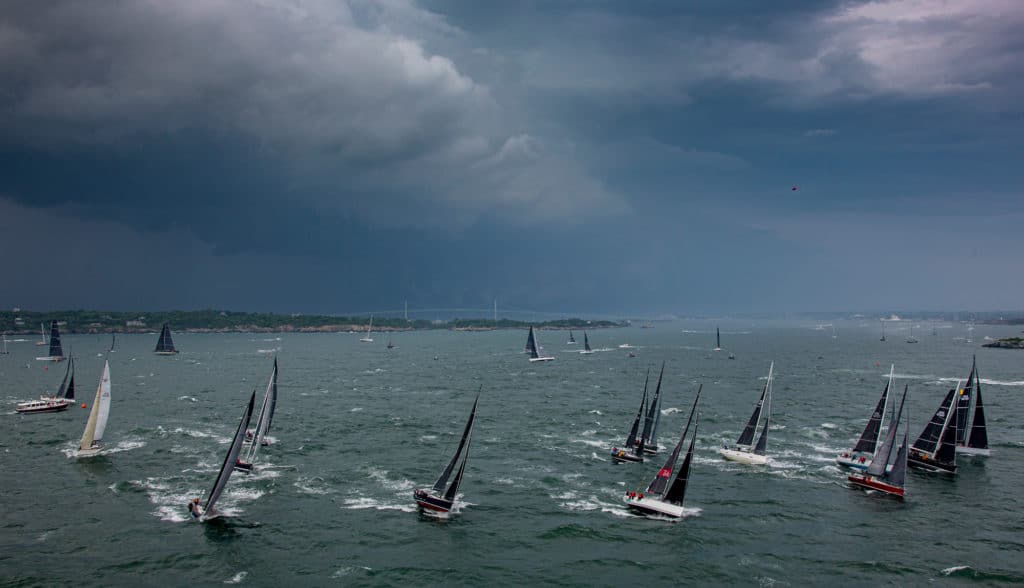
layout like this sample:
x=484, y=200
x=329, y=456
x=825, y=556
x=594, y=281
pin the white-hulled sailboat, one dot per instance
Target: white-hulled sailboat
x=745, y=451
x=258, y=436
x=534, y=348
x=42, y=336
x=96, y=426
x=664, y=495
x=440, y=498
x=863, y=452
x=586, y=345
x=369, y=331
x=207, y=511
x=971, y=433
x=56, y=352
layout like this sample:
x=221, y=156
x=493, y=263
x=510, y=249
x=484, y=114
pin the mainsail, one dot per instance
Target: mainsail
x=661, y=481
x=442, y=480
x=229, y=460
x=872, y=432
x=979, y=436
x=881, y=459
x=165, y=344
x=55, y=349
x=265, y=415
x=531, y=343
x=586, y=342
x=929, y=438
x=67, y=385
x=747, y=436
x=677, y=491
x=97, y=423
x=653, y=415
x=632, y=440
x=963, y=406
x=718, y=339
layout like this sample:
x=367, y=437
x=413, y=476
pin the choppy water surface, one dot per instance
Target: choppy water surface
x=358, y=427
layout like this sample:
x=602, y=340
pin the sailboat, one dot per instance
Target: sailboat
x=664, y=495
x=650, y=432
x=369, y=330
x=440, y=498
x=42, y=336
x=56, y=353
x=745, y=451
x=534, y=348
x=258, y=435
x=718, y=340
x=113, y=342
x=64, y=397
x=207, y=511
x=864, y=451
x=572, y=340
x=883, y=331
x=4, y=351
x=935, y=448
x=97, y=423
x=911, y=338
x=971, y=434
x=885, y=474
x=165, y=345
x=586, y=345
x=390, y=344
x=633, y=449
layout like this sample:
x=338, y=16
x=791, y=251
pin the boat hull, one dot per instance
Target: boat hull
x=747, y=457
x=533, y=359
x=428, y=501
x=653, y=506
x=54, y=358
x=626, y=457
x=853, y=461
x=165, y=352
x=931, y=466
x=871, y=483
x=974, y=451
x=42, y=406
x=651, y=449
x=91, y=452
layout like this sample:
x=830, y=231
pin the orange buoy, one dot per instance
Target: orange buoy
x=83, y=405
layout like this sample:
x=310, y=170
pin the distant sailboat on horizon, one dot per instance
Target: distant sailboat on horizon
x=718, y=340
x=165, y=344
x=534, y=348
x=56, y=352
x=42, y=336
x=369, y=330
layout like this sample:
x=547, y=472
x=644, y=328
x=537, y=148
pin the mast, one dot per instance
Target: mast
x=631, y=438
x=661, y=480
x=873, y=430
x=447, y=472
x=762, y=442
x=929, y=438
x=586, y=342
x=229, y=460
x=55, y=349
x=881, y=459
x=273, y=398
x=677, y=491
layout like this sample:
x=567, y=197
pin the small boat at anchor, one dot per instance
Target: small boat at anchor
x=440, y=498
x=96, y=426
x=745, y=451
x=207, y=511
x=664, y=495
x=885, y=474
x=64, y=397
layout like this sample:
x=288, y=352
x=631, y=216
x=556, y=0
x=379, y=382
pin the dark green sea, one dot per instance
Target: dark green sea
x=358, y=426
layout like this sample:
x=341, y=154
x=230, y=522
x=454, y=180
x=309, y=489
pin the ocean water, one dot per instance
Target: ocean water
x=358, y=427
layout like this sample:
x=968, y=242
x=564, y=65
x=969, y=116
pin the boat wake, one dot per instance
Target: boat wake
x=237, y=578
x=366, y=502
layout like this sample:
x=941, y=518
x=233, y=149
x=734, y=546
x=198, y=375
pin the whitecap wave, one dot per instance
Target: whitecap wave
x=364, y=503
x=237, y=578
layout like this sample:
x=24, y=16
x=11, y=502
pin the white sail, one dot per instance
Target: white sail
x=261, y=423
x=97, y=422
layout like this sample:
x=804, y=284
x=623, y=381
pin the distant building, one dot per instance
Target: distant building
x=134, y=324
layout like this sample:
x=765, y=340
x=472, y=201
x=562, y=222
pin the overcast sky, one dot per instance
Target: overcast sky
x=580, y=157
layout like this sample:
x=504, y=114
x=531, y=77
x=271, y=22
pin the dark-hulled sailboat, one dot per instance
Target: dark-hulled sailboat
x=935, y=448
x=885, y=474
x=258, y=435
x=586, y=345
x=165, y=345
x=650, y=433
x=440, y=498
x=633, y=450
x=56, y=352
x=718, y=340
x=664, y=495
x=207, y=511
x=971, y=434
x=863, y=452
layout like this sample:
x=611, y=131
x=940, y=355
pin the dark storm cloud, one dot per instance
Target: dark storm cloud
x=593, y=155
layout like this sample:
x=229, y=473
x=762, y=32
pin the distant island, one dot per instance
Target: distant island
x=1008, y=343
x=222, y=321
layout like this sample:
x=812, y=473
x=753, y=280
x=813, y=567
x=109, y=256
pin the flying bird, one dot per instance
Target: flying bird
x=795, y=188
